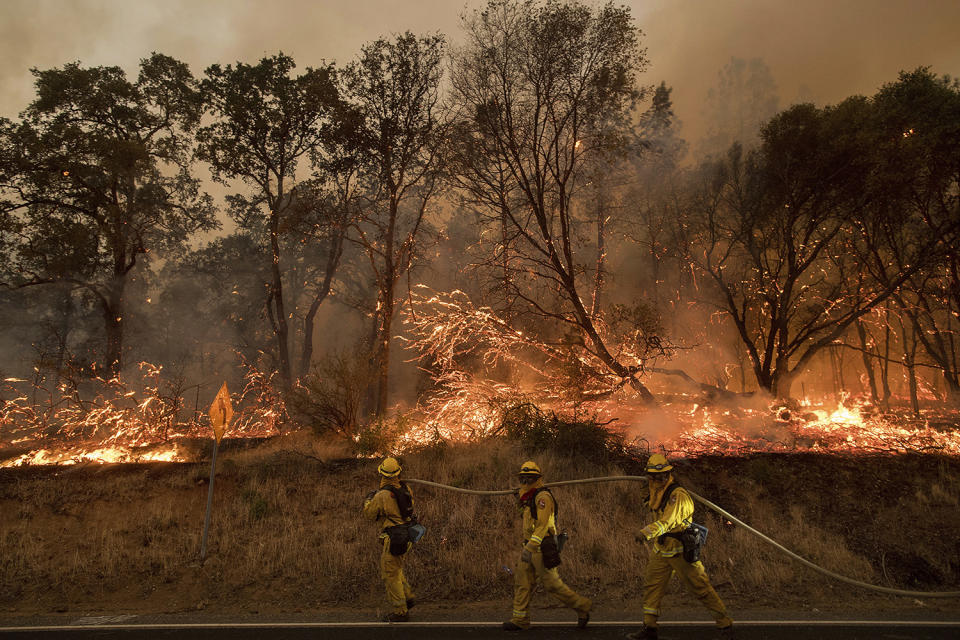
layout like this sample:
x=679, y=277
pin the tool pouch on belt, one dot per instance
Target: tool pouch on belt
x=692, y=538
x=399, y=539
x=402, y=534
x=550, y=549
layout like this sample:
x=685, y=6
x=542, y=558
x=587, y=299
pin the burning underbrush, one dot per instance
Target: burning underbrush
x=686, y=426
x=151, y=420
x=146, y=419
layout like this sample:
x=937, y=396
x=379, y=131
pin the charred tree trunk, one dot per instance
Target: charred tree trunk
x=113, y=319
x=834, y=369
x=710, y=392
x=909, y=362
x=281, y=328
x=912, y=378
x=383, y=357
x=868, y=363
x=781, y=385
x=505, y=262
x=885, y=361
x=601, y=255
x=953, y=389
x=387, y=283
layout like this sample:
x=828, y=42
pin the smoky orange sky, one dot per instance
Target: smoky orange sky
x=821, y=50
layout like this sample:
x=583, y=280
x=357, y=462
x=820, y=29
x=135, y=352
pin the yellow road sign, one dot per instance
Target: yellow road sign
x=221, y=411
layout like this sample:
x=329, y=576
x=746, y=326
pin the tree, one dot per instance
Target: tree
x=918, y=119
x=744, y=98
x=659, y=131
x=269, y=132
x=798, y=237
x=394, y=89
x=650, y=195
x=544, y=89
x=96, y=176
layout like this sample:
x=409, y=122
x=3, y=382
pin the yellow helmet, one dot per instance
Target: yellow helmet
x=530, y=468
x=658, y=463
x=389, y=468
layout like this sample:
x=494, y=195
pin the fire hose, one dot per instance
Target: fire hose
x=725, y=514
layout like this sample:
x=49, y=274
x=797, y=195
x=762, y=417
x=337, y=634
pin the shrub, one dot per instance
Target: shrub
x=379, y=437
x=535, y=430
x=331, y=398
x=257, y=505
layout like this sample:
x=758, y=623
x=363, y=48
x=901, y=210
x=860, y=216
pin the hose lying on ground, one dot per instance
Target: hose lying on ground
x=725, y=514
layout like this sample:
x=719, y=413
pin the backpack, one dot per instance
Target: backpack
x=693, y=537
x=532, y=503
x=404, y=500
x=551, y=545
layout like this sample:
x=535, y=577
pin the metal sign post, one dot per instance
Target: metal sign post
x=221, y=411
x=206, y=520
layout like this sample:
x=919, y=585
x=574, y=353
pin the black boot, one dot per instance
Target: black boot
x=509, y=626
x=396, y=617
x=645, y=633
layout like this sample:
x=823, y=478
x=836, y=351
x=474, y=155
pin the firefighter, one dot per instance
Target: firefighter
x=392, y=508
x=539, y=511
x=672, y=507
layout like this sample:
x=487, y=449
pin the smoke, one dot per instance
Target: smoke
x=50, y=33
x=655, y=425
x=819, y=50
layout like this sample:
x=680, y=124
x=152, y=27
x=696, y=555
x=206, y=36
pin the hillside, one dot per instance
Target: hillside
x=287, y=535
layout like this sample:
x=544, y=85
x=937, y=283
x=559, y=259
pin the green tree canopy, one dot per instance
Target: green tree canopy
x=95, y=175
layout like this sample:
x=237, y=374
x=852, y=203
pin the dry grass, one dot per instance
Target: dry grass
x=287, y=532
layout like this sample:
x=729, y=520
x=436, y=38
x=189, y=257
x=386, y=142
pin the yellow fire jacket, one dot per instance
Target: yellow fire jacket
x=383, y=508
x=672, y=517
x=534, y=531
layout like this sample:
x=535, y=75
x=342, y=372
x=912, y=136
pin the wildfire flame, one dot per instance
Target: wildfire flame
x=126, y=421
x=121, y=424
x=848, y=427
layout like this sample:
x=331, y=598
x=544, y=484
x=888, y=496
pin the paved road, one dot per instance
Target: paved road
x=486, y=631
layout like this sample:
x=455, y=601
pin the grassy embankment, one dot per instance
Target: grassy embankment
x=287, y=534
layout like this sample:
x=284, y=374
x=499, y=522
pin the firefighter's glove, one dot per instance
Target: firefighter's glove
x=526, y=555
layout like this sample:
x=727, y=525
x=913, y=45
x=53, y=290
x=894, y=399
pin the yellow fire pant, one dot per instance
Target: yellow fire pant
x=525, y=579
x=391, y=570
x=694, y=578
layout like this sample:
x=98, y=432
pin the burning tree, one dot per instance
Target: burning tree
x=920, y=156
x=543, y=90
x=803, y=237
x=394, y=87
